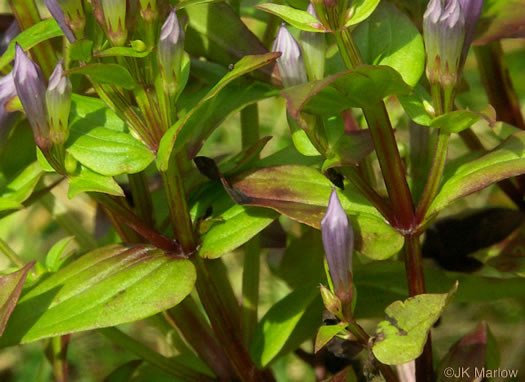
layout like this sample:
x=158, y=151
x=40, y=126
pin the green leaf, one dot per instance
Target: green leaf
x=106, y=287
x=350, y=149
x=89, y=111
x=459, y=120
x=124, y=51
x=388, y=37
x=20, y=187
x=361, y=87
x=188, y=3
x=81, y=50
x=400, y=338
x=111, y=74
x=125, y=372
x=418, y=105
x=302, y=194
x=279, y=322
x=296, y=17
x=190, y=131
x=57, y=255
x=505, y=161
x=107, y=151
x=239, y=224
x=31, y=37
x=10, y=289
x=326, y=333
x=89, y=181
x=360, y=10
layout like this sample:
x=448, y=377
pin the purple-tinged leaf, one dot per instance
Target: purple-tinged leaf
x=10, y=289
x=469, y=353
x=109, y=286
x=360, y=87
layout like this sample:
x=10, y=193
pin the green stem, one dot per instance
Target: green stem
x=187, y=317
x=225, y=324
x=173, y=367
x=434, y=178
x=141, y=197
x=179, y=212
x=10, y=254
x=57, y=355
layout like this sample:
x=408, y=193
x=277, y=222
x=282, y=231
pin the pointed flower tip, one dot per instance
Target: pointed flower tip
x=57, y=79
x=171, y=29
x=338, y=245
x=291, y=63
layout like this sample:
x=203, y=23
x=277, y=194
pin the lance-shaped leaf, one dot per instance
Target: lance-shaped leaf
x=326, y=333
x=468, y=353
x=88, y=181
x=31, y=37
x=360, y=10
x=302, y=194
x=459, y=120
x=106, y=287
x=360, y=87
x=190, y=131
x=21, y=187
x=296, y=17
x=112, y=74
x=10, y=289
x=400, y=338
x=505, y=161
x=349, y=150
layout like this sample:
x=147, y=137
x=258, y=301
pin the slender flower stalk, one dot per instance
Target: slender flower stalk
x=291, y=63
x=31, y=89
x=58, y=102
x=58, y=14
x=338, y=242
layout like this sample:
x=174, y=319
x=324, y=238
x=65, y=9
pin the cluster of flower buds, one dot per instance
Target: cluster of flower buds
x=171, y=52
x=47, y=109
x=338, y=242
x=448, y=27
x=291, y=63
x=70, y=16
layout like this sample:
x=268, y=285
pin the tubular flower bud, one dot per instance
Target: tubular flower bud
x=338, y=243
x=58, y=14
x=314, y=49
x=114, y=12
x=7, y=91
x=171, y=51
x=148, y=10
x=291, y=63
x=331, y=302
x=444, y=30
x=8, y=35
x=471, y=12
x=31, y=90
x=74, y=15
x=58, y=102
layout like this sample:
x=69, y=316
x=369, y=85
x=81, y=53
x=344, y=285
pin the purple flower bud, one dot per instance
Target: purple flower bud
x=31, y=90
x=314, y=49
x=115, y=19
x=9, y=35
x=291, y=63
x=58, y=14
x=471, y=12
x=338, y=242
x=58, y=102
x=444, y=30
x=7, y=91
x=451, y=43
x=171, y=51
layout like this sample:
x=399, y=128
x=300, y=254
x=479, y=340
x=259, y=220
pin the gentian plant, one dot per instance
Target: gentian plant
x=284, y=191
